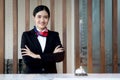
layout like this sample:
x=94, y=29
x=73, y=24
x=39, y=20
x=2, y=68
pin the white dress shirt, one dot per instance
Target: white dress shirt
x=42, y=41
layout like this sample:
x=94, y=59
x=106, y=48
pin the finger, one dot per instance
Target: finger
x=25, y=54
x=23, y=49
x=61, y=50
x=57, y=46
x=26, y=47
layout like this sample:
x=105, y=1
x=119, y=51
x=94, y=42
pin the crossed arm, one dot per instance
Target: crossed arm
x=27, y=52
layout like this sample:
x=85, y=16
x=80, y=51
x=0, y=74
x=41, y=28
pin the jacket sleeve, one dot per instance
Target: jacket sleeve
x=54, y=57
x=27, y=59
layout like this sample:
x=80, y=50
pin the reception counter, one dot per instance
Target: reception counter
x=59, y=77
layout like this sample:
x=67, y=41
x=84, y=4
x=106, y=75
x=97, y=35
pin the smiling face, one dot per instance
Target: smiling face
x=41, y=19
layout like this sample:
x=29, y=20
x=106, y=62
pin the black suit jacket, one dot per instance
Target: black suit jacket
x=47, y=63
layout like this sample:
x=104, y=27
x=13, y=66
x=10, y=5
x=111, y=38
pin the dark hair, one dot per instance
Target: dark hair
x=41, y=8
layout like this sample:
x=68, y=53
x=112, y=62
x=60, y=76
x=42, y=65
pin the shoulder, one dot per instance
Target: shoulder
x=55, y=33
x=28, y=32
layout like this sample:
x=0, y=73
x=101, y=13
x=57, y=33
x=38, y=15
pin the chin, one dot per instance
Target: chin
x=41, y=27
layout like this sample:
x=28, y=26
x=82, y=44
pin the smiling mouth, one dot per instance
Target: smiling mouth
x=42, y=24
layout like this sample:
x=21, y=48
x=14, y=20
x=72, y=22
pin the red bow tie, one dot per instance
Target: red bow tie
x=44, y=33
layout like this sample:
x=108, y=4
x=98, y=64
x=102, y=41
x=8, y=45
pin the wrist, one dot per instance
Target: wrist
x=38, y=57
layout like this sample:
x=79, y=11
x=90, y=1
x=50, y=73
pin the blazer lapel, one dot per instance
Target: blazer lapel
x=48, y=42
x=35, y=41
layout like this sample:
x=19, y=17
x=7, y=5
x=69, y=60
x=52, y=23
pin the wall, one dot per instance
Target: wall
x=58, y=27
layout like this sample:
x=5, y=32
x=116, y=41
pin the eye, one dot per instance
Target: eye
x=46, y=17
x=39, y=16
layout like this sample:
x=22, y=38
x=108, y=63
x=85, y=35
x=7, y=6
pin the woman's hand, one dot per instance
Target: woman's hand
x=26, y=52
x=58, y=49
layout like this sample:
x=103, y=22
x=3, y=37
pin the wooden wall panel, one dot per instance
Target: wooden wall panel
x=15, y=36
x=39, y=2
x=102, y=36
x=90, y=65
x=114, y=36
x=64, y=34
x=27, y=15
x=52, y=14
x=76, y=36
x=64, y=23
x=2, y=35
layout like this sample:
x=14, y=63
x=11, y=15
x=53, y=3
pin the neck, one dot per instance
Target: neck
x=41, y=29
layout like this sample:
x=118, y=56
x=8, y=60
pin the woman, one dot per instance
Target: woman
x=40, y=47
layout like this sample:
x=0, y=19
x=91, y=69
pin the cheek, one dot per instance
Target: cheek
x=35, y=20
x=47, y=21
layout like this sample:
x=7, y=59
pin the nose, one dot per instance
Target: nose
x=42, y=19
